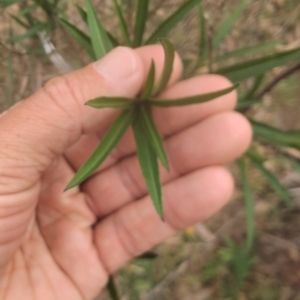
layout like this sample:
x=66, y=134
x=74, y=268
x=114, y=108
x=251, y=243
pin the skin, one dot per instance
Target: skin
x=56, y=245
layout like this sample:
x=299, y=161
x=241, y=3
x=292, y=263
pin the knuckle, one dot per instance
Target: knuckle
x=59, y=87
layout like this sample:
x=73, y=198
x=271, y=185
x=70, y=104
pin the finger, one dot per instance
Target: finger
x=169, y=120
x=55, y=116
x=175, y=119
x=215, y=141
x=137, y=228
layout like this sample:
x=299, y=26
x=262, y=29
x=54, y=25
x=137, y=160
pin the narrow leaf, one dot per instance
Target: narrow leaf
x=100, y=41
x=115, y=43
x=79, y=36
x=246, y=104
x=111, y=288
x=257, y=49
x=28, y=9
x=28, y=34
x=140, y=22
x=169, y=52
x=171, y=21
x=295, y=163
x=273, y=181
x=46, y=5
x=259, y=66
x=20, y=21
x=149, y=165
x=122, y=22
x=241, y=264
x=191, y=100
x=202, y=35
x=7, y=3
x=289, y=138
x=225, y=26
x=113, y=102
x=82, y=14
x=147, y=255
x=256, y=84
x=110, y=140
x=149, y=82
x=249, y=206
x=153, y=134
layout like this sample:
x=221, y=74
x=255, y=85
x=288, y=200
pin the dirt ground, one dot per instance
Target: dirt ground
x=195, y=264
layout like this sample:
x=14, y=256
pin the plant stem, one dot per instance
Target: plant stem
x=276, y=80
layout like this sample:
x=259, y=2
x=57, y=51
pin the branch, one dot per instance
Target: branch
x=56, y=58
x=276, y=80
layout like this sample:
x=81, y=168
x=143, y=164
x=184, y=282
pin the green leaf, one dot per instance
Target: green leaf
x=295, y=163
x=257, y=49
x=225, y=26
x=122, y=22
x=28, y=9
x=110, y=140
x=100, y=41
x=169, y=52
x=111, y=288
x=46, y=5
x=149, y=82
x=29, y=33
x=249, y=205
x=191, y=100
x=114, y=102
x=140, y=22
x=257, y=83
x=241, y=264
x=20, y=21
x=246, y=104
x=148, y=163
x=115, y=43
x=272, y=180
x=7, y=3
x=82, y=14
x=153, y=134
x=202, y=35
x=79, y=36
x=171, y=21
x=259, y=66
x=147, y=255
x=289, y=138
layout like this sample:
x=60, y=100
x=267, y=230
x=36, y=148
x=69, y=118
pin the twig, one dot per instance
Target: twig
x=209, y=241
x=171, y=277
x=55, y=57
x=276, y=80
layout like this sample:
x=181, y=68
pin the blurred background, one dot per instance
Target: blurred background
x=210, y=260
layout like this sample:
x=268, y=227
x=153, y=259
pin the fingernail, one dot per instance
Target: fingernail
x=119, y=64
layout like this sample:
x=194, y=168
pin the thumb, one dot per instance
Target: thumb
x=38, y=129
x=45, y=124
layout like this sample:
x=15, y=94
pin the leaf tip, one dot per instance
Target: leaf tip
x=67, y=188
x=70, y=185
x=166, y=165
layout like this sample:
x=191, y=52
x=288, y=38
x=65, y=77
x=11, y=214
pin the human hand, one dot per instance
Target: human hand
x=56, y=245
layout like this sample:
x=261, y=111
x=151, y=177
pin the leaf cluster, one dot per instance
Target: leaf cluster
x=137, y=113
